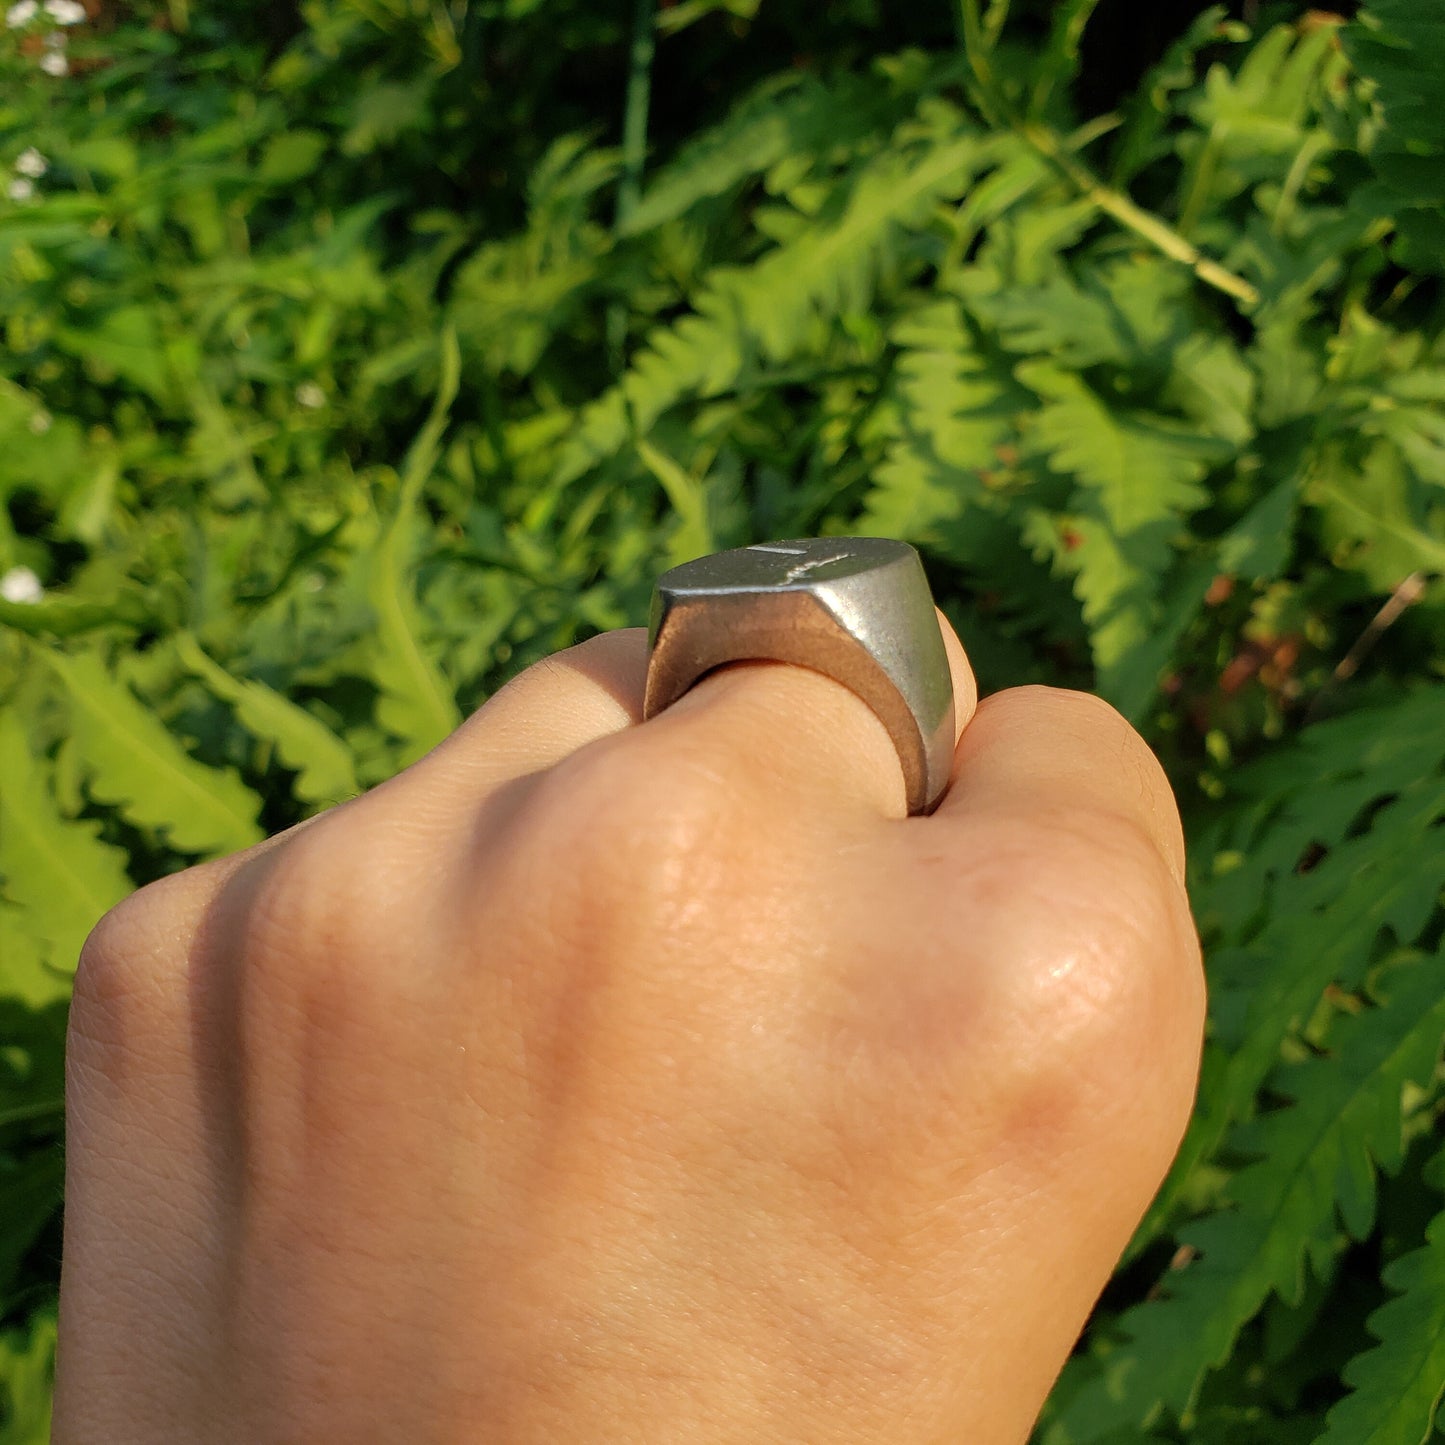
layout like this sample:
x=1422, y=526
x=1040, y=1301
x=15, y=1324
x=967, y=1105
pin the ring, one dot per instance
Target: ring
x=856, y=609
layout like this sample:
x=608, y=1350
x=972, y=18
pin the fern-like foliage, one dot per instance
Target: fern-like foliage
x=378, y=361
x=1400, y=46
x=416, y=704
x=1318, y=1152
x=1360, y=803
x=1396, y=1388
x=56, y=875
x=745, y=319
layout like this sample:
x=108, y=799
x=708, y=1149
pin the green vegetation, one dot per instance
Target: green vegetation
x=357, y=358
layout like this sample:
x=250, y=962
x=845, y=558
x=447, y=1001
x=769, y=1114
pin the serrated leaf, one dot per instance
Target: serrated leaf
x=1346, y=1113
x=764, y=313
x=1399, y=45
x=956, y=408
x=1397, y=1386
x=416, y=703
x=55, y=869
x=1135, y=633
x=31, y=1112
x=132, y=763
x=1077, y=327
x=1144, y=468
x=1138, y=480
x=1259, y=545
x=24, y=972
x=1373, y=520
x=32, y=1073
x=760, y=130
x=321, y=761
x=1116, y=579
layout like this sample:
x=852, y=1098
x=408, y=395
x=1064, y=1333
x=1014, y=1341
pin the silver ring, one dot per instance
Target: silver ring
x=857, y=609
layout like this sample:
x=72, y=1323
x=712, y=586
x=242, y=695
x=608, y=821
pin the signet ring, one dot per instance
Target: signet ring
x=857, y=609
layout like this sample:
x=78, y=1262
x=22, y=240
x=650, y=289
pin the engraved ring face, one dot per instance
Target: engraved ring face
x=857, y=609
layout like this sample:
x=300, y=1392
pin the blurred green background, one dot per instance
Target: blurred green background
x=360, y=352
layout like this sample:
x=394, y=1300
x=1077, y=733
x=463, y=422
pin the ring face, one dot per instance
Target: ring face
x=857, y=609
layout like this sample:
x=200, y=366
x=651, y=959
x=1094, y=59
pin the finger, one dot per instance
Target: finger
x=1032, y=751
x=801, y=735
x=1060, y=989
x=545, y=713
x=549, y=711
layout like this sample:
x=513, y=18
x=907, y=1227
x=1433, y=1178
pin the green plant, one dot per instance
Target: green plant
x=351, y=367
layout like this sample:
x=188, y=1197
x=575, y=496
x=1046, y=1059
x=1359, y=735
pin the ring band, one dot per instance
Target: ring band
x=857, y=609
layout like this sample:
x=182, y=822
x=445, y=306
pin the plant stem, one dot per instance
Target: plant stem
x=28, y=1113
x=639, y=98
x=971, y=35
x=1063, y=52
x=634, y=148
x=993, y=21
x=977, y=35
x=1145, y=224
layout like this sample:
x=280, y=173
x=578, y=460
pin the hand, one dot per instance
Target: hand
x=600, y=1082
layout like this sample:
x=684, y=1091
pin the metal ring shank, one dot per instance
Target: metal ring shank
x=699, y=635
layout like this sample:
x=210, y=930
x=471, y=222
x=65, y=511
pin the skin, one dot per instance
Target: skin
x=593, y=1080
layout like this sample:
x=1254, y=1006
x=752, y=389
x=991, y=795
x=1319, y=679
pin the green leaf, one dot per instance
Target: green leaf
x=1116, y=579
x=1397, y=1386
x=1258, y=546
x=127, y=343
x=1313, y=1157
x=27, y=1369
x=63, y=615
x=692, y=536
x=1138, y=479
x=1144, y=468
x=748, y=318
x=32, y=1068
x=383, y=112
x=134, y=764
x=956, y=409
x=1399, y=45
x=54, y=868
x=1135, y=635
x=25, y=971
x=1373, y=518
x=290, y=156
x=32, y=1075
x=416, y=703
x=689, y=12
x=322, y=762
x=789, y=116
x=1059, y=59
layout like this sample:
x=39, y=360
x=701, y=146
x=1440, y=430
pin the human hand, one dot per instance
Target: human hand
x=593, y=1081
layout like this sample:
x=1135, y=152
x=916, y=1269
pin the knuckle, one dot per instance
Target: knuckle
x=1099, y=991
x=334, y=939
x=651, y=821
x=1087, y=707
x=641, y=797
x=130, y=977
x=1114, y=918
x=322, y=895
x=1118, y=740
